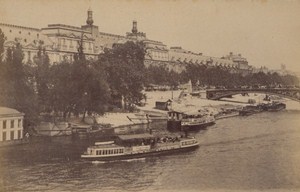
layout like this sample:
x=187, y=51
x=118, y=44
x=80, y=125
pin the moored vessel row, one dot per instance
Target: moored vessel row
x=147, y=144
x=252, y=109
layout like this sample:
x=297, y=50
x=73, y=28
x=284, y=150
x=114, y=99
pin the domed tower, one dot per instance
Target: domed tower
x=134, y=33
x=89, y=24
x=89, y=20
x=134, y=27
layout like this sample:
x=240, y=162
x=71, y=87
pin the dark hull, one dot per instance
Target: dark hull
x=140, y=155
x=176, y=126
x=197, y=127
x=277, y=107
x=249, y=112
x=223, y=116
x=246, y=113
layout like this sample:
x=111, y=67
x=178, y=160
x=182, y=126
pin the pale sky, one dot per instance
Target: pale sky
x=266, y=32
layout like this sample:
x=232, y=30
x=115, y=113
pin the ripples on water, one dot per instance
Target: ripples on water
x=259, y=152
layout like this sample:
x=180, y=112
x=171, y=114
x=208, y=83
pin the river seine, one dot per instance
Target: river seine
x=258, y=152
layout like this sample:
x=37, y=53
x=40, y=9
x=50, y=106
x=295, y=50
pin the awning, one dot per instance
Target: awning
x=136, y=136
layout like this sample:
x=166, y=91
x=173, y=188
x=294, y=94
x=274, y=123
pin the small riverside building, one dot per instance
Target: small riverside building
x=11, y=125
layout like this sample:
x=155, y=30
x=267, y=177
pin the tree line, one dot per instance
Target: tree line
x=217, y=76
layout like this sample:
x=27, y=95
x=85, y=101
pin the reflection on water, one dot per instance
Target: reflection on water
x=256, y=152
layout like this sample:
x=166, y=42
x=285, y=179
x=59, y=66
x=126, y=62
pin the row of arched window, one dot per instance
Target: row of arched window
x=109, y=151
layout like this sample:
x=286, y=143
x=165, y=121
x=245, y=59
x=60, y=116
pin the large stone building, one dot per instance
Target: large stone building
x=61, y=43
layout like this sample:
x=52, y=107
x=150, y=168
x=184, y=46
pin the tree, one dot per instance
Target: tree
x=96, y=95
x=89, y=88
x=41, y=79
x=2, y=40
x=60, y=90
x=157, y=75
x=15, y=89
x=124, y=65
x=2, y=63
x=78, y=88
x=80, y=54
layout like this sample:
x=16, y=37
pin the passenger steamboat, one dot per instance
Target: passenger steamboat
x=138, y=146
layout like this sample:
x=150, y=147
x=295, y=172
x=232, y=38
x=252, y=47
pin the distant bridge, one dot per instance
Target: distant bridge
x=290, y=93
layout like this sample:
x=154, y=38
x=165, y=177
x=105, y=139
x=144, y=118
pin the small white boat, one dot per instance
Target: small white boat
x=138, y=146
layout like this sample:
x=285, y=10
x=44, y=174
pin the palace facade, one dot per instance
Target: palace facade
x=61, y=42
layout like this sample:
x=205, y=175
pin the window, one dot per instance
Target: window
x=4, y=136
x=19, y=134
x=20, y=32
x=4, y=124
x=28, y=33
x=19, y=123
x=38, y=35
x=12, y=124
x=10, y=31
x=12, y=135
x=29, y=55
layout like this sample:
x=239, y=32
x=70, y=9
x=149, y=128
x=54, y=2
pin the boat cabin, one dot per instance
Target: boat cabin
x=174, y=116
x=105, y=149
x=180, y=115
x=135, y=140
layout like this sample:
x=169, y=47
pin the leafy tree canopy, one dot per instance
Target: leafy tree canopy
x=124, y=64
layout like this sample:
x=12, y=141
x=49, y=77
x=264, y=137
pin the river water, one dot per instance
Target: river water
x=258, y=152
